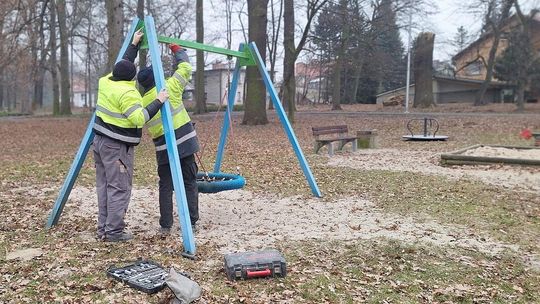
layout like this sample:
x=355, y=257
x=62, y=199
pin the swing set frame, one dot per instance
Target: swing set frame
x=247, y=55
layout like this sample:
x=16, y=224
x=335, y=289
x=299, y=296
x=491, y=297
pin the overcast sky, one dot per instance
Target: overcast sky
x=446, y=18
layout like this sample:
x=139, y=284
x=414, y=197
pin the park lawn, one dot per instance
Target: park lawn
x=332, y=271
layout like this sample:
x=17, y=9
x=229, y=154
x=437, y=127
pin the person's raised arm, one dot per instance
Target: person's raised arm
x=133, y=48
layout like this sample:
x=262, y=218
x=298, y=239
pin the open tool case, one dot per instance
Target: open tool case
x=144, y=275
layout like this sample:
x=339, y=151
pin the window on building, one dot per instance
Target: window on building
x=474, y=68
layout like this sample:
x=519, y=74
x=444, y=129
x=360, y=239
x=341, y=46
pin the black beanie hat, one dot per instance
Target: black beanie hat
x=124, y=70
x=146, y=78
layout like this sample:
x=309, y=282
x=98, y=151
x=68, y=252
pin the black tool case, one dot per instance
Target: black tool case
x=144, y=275
x=255, y=264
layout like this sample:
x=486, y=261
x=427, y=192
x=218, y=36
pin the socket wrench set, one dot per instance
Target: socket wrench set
x=144, y=275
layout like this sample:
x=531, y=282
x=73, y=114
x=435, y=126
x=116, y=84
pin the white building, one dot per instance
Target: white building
x=216, y=82
x=81, y=98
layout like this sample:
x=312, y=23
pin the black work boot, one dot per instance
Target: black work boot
x=121, y=237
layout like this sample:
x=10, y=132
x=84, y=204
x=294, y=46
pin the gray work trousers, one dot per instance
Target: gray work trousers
x=114, y=175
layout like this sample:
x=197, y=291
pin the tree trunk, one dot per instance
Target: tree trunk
x=272, y=45
x=115, y=23
x=65, y=106
x=520, y=102
x=38, y=85
x=289, y=87
x=2, y=78
x=53, y=61
x=423, y=70
x=200, y=98
x=479, y=100
x=88, y=80
x=1, y=90
x=142, y=53
x=255, y=106
x=338, y=66
x=495, y=23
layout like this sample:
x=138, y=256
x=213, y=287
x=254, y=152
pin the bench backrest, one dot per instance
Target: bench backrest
x=341, y=129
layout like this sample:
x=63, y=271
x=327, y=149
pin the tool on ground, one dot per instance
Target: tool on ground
x=255, y=264
x=144, y=275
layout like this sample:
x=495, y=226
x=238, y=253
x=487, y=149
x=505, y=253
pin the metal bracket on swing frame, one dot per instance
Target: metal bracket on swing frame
x=247, y=55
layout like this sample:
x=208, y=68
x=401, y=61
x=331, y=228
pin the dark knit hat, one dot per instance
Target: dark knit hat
x=124, y=70
x=146, y=78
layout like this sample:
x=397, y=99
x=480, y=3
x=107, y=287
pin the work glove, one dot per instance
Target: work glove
x=175, y=48
x=180, y=54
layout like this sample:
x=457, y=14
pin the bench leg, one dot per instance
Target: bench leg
x=354, y=145
x=316, y=147
x=330, y=149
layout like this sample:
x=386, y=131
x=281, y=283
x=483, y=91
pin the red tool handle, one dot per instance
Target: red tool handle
x=259, y=274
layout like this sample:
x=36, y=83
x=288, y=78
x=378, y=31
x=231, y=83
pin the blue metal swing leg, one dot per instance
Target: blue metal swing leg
x=231, y=95
x=285, y=121
x=170, y=139
x=83, y=148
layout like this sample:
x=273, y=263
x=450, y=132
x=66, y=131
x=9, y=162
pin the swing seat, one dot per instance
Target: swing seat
x=217, y=182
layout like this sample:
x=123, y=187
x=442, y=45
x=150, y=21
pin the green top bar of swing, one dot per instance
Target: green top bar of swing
x=245, y=57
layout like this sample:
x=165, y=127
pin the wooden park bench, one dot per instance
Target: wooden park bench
x=325, y=136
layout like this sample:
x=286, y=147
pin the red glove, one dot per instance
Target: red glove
x=174, y=47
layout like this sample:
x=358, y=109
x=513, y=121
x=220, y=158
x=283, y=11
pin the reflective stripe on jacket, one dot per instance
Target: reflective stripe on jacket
x=119, y=112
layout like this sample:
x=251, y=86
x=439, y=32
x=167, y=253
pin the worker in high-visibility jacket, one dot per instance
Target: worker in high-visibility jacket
x=120, y=117
x=186, y=139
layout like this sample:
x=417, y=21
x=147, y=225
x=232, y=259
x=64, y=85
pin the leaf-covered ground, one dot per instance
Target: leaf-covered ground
x=36, y=152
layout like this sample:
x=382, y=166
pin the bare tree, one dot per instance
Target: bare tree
x=142, y=52
x=200, y=97
x=53, y=62
x=342, y=47
x=115, y=24
x=292, y=51
x=255, y=105
x=423, y=70
x=275, y=28
x=496, y=14
x=65, y=104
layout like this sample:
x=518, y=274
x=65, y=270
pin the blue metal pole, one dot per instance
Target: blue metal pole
x=285, y=121
x=230, y=104
x=83, y=148
x=170, y=139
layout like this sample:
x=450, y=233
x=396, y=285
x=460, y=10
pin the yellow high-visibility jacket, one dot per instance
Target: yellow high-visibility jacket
x=186, y=136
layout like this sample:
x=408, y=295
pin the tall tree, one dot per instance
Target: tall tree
x=497, y=12
x=200, y=97
x=40, y=73
x=461, y=39
x=519, y=63
x=255, y=105
x=341, y=53
x=65, y=105
x=289, y=86
x=115, y=25
x=292, y=51
x=53, y=61
x=423, y=70
x=142, y=52
x=387, y=47
x=275, y=29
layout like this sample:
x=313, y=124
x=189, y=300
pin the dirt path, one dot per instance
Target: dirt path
x=511, y=177
x=240, y=220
